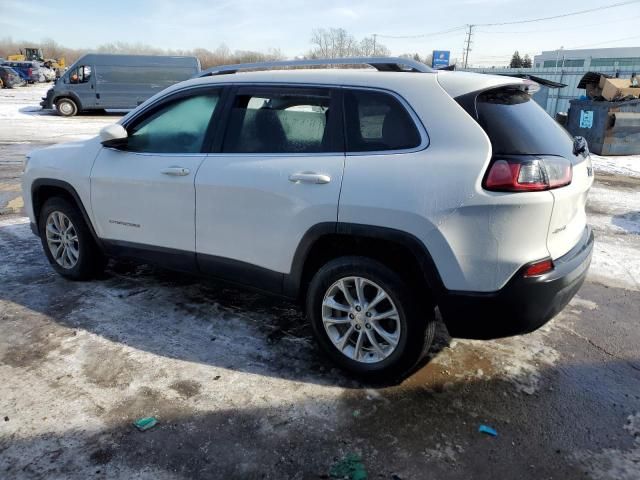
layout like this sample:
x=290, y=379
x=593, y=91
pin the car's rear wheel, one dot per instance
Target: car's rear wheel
x=367, y=319
x=66, y=107
x=67, y=241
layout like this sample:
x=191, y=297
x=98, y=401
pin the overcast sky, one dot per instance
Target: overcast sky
x=287, y=24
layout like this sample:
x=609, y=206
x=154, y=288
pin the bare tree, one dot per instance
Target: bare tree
x=370, y=47
x=333, y=43
x=220, y=56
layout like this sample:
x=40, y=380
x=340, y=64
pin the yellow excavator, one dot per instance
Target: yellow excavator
x=35, y=54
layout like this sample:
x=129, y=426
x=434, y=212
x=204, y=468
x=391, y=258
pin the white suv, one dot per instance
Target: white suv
x=371, y=195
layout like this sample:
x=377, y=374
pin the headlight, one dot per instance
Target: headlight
x=25, y=161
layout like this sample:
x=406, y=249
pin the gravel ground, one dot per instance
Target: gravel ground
x=241, y=391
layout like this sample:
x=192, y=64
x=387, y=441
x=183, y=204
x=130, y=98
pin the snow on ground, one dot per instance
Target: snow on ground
x=614, y=213
x=612, y=463
x=627, y=165
x=27, y=122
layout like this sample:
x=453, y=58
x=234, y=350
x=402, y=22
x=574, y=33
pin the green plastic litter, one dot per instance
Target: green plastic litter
x=350, y=467
x=145, y=423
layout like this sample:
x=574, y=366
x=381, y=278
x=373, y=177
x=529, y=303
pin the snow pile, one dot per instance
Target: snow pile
x=627, y=165
x=614, y=214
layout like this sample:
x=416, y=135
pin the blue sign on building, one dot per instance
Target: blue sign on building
x=440, y=58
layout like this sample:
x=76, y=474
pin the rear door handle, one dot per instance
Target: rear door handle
x=176, y=171
x=309, y=177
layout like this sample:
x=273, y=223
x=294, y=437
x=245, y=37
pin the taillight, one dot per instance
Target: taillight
x=538, y=268
x=29, y=71
x=527, y=174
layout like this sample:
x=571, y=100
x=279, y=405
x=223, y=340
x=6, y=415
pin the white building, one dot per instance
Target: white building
x=568, y=67
x=588, y=58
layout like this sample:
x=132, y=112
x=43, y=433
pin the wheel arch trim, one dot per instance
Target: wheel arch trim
x=68, y=188
x=68, y=95
x=293, y=281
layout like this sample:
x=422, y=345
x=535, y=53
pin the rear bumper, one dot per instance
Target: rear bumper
x=523, y=304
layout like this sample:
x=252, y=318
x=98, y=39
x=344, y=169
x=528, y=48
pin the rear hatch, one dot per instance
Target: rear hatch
x=526, y=139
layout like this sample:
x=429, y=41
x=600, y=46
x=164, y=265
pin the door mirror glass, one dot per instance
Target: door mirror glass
x=113, y=135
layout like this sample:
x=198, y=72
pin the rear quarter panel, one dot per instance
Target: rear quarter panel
x=477, y=239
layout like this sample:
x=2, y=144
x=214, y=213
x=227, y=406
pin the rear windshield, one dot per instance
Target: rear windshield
x=517, y=125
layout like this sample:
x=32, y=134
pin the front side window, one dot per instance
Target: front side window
x=377, y=121
x=178, y=127
x=279, y=121
x=81, y=74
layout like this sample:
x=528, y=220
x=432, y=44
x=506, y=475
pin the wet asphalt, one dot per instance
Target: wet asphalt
x=242, y=392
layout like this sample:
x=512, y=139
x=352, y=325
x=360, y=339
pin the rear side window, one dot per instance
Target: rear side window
x=179, y=127
x=377, y=121
x=280, y=121
x=517, y=125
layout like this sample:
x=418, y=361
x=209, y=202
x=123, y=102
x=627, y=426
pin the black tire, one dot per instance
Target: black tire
x=66, y=107
x=416, y=317
x=90, y=261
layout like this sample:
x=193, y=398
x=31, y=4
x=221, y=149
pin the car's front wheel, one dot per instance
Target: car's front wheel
x=66, y=107
x=67, y=241
x=367, y=319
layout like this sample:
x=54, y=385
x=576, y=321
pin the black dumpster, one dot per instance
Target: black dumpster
x=611, y=128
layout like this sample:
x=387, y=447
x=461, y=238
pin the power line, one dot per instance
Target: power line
x=423, y=35
x=579, y=27
x=608, y=41
x=541, y=19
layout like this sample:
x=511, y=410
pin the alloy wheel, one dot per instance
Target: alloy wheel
x=62, y=240
x=361, y=319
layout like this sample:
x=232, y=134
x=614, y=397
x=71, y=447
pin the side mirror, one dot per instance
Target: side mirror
x=580, y=146
x=113, y=135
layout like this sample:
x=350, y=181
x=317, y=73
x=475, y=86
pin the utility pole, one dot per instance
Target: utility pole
x=467, y=47
x=374, y=44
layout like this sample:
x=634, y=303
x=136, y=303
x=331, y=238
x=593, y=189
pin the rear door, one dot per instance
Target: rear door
x=277, y=174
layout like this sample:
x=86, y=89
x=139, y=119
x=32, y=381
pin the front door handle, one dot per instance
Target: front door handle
x=176, y=171
x=309, y=177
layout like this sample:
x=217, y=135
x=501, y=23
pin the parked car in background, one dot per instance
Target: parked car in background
x=369, y=196
x=30, y=71
x=10, y=78
x=98, y=81
x=49, y=74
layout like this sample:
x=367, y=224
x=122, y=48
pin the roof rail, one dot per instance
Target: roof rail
x=383, y=64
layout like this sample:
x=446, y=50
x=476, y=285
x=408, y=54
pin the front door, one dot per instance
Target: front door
x=278, y=174
x=81, y=81
x=142, y=194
